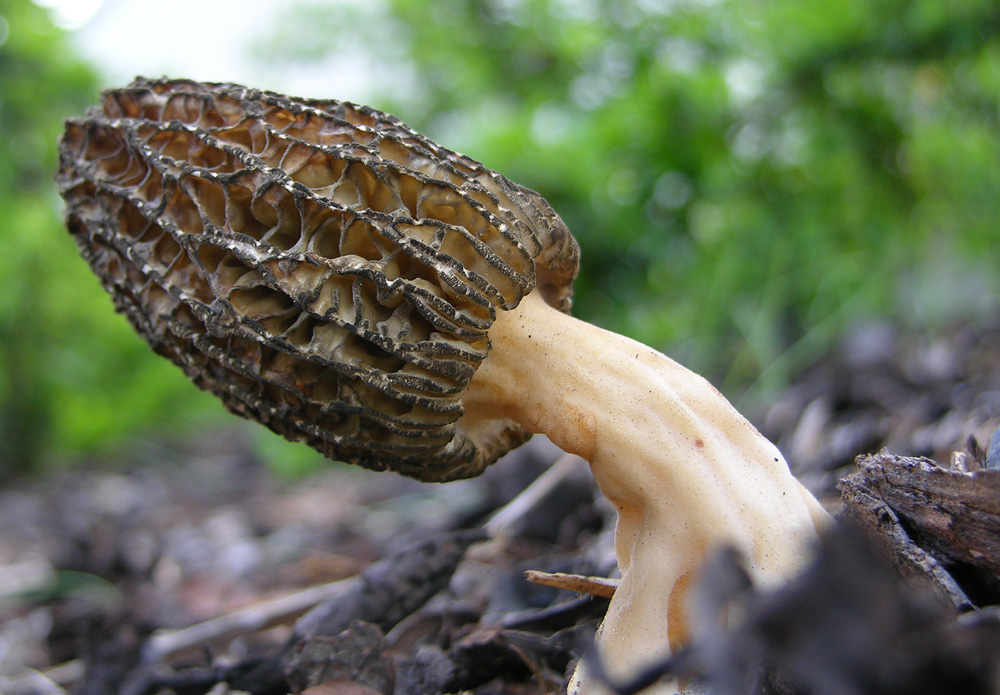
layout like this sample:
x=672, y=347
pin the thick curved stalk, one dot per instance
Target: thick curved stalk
x=685, y=471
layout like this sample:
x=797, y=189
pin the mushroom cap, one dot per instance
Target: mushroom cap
x=318, y=265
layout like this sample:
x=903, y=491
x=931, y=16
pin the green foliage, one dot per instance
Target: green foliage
x=73, y=375
x=744, y=178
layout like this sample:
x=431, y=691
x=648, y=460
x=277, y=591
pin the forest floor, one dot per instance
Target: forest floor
x=101, y=569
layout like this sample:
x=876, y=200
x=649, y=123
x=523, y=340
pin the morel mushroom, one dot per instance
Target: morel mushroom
x=329, y=272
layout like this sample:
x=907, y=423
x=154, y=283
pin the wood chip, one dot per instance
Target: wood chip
x=931, y=519
x=595, y=586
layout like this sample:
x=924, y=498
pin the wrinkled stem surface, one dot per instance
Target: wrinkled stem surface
x=685, y=471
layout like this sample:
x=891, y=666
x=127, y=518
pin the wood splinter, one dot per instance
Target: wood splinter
x=602, y=587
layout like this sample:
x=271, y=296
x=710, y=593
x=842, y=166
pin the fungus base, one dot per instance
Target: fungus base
x=685, y=471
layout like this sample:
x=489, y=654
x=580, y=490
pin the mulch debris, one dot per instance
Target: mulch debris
x=189, y=570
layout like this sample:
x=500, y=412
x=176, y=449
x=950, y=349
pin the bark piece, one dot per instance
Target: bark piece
x=509, y=654
x=951, y=517
x=353, y=656
x=393, y=588
x=914, y=564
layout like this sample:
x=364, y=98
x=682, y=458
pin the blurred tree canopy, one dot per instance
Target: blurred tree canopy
x=745, y=177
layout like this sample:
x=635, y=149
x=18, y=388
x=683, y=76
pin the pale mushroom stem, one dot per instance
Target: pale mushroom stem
x=685, y=471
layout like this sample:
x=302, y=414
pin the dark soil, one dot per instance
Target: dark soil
x=97, y=564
